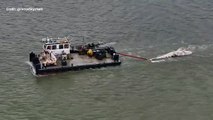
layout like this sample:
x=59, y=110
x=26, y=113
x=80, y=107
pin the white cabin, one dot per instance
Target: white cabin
x=56, y=47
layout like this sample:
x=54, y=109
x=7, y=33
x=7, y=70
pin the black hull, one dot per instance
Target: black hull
x=45, y=71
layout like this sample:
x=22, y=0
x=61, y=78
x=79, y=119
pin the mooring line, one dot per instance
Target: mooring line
x=133, y=56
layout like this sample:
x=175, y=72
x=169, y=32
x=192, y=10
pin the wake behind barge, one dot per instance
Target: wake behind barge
x=60, y=55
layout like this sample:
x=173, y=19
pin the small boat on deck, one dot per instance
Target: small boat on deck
x=60, y=55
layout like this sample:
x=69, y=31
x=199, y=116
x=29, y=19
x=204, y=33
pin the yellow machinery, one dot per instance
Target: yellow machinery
x=90, y=52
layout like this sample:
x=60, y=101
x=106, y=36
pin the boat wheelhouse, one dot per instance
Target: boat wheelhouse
x=56, y=45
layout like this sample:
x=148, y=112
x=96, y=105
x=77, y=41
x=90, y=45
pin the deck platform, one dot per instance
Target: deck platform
x=78, y=62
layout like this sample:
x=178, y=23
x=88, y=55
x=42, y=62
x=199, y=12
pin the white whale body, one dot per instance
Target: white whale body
x=178, y=53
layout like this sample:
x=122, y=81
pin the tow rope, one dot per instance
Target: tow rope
x=133, y=56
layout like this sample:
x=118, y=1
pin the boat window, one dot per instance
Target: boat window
x=66, y=45
x=54, y=47
x=49, y=47
x=61, y=47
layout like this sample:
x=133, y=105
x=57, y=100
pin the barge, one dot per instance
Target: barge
x=60, y=55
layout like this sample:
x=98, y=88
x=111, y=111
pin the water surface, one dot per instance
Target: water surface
x=180, y=89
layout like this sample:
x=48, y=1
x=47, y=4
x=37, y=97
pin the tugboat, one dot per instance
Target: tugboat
x=60, y=55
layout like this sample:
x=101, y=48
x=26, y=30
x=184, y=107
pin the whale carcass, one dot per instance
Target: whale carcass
x=178, y=53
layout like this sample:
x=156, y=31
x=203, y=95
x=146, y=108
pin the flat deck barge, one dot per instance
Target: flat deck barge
x=60, y=56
